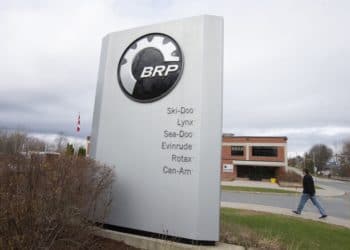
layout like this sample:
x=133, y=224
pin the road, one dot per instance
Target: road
x=342, y=185
x=334, y=206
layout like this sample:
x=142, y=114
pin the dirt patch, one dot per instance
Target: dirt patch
x=108, y=244
x=248, y=238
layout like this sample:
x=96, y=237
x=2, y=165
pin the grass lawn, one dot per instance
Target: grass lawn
x=256, y=189
x=270, y=231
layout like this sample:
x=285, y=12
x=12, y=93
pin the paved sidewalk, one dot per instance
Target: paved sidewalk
x=288, y=212
x=325, y=191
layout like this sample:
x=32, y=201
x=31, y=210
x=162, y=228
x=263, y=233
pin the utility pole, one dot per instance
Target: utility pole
x=313, y=160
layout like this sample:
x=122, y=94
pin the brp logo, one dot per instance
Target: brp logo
x=150, y=67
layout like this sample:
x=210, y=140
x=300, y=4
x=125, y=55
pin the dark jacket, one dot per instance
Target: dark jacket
x=308, y=185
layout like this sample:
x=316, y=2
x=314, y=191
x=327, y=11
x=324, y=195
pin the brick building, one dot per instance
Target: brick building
x=253, y=157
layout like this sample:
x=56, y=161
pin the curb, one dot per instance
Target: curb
x=251, y=192
x=290, y=194
x=333, y=192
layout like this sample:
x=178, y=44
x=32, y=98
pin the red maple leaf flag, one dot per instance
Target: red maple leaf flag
x=78, y=123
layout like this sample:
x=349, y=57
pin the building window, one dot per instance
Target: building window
x=237, y=151
x=265, y=151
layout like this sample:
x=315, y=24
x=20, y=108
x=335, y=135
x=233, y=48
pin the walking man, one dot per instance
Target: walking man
x=309, y=193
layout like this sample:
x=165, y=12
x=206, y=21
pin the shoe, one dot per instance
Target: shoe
x=296, y=212
x=323, y=216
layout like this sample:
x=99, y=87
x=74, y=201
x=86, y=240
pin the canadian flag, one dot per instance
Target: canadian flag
x=78, y=123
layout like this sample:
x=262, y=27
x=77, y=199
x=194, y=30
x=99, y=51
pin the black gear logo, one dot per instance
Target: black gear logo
x=150, y=67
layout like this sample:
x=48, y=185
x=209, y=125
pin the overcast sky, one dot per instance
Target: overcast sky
x=286, y=71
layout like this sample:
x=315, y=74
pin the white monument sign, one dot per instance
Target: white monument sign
x=158, y=120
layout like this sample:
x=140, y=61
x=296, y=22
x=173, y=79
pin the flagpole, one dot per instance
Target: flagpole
x=78, y=124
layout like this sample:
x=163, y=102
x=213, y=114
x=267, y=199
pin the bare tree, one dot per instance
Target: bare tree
x=15, y=142
x=11, y=143
x=34, y=144
x=320, y=154
x=61, y=142
x=297, y=161
x=344, y=160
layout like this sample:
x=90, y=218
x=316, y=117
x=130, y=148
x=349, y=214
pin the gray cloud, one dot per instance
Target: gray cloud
x=286, y=63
